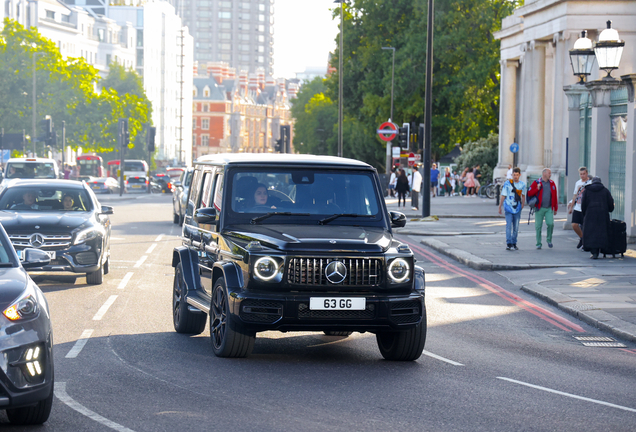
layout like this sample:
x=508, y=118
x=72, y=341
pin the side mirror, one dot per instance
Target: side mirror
x=35, y=258
x=206, y=216
x=176, y=184
x=107, y=210
x=398, y=220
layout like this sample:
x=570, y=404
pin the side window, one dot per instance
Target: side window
x=218, y=193
x=193, y=195
x=206, y=189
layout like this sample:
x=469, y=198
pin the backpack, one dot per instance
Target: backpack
x=532, y=201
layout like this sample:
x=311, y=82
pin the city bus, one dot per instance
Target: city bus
x=90, y=165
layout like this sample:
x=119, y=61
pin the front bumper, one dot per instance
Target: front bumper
x=290, y=312
x=17, y=387
x=82, y=258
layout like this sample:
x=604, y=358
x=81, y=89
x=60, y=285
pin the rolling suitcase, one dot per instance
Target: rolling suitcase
x=617, y=243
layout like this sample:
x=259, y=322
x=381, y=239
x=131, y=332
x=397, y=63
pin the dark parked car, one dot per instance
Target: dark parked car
x=62, y=218
x=180, y=190
x=26, y=369
x=104, y=185
x=162, y=180
x=294, y=243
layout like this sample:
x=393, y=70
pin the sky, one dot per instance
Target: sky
x=304, y=34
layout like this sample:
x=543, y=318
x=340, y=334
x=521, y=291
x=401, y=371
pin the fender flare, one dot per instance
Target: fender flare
x=233, y=276
x=189, y=262
x=420, y=280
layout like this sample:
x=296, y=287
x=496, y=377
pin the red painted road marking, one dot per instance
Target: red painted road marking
x=631, y=351
x=538, y=311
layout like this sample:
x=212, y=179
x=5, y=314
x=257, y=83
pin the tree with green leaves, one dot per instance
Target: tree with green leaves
x=465, y=67
x=65, y=90
x=483, y=152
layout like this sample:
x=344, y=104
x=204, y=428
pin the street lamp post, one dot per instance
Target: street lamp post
x=428, y=106
x=340, y=75
x=389, y=144
x=609, y=50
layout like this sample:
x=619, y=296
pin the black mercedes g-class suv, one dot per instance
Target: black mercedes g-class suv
x=294, y=243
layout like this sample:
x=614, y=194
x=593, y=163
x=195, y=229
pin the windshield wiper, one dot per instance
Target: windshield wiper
x=336, y=216
x=269, y=215
x=8, y=264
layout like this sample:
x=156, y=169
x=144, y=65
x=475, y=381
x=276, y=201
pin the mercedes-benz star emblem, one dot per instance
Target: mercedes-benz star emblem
x=336, y=272
x=36, y=240
x=332, y=241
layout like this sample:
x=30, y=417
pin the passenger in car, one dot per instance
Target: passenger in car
x=69, y=203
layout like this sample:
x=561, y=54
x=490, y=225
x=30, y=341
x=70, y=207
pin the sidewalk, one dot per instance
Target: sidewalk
x=600, y=292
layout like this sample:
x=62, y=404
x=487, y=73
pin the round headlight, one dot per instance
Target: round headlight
x=399, y=270
x=265, y=268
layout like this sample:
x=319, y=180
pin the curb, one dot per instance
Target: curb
x=477, y=263
x=452, y=216
x=443, y=233
x=593, y=316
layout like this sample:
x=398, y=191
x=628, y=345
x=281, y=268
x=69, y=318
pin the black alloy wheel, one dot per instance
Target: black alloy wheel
x=228, y=338
x=184, y=320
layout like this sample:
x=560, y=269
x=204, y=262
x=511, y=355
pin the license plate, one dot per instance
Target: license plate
x=136, y=186
x=51, y=254
x=96, y=187
x=337, y=303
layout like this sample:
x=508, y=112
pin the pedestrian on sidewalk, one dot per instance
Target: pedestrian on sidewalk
x=596, y=205
x=477, y=175
x=462, y=178
x=547, y=205
x=417, y=186
x=402, y=187
x=513, y=195
x=509, y=172
x=574, y=206
x=469, y=183
x=434, y=179
x=392, y=182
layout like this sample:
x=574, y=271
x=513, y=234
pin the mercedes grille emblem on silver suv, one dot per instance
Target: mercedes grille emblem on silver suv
x=36, y=240
x=336, y=272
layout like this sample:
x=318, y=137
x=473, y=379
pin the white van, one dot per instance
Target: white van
x=136, y=175
x=31, y=168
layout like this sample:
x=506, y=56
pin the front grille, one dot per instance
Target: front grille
x=311, y=271
x=261, y=311
x=86, y=258
x=50, y=240
x=406, y=312
x=305, y=312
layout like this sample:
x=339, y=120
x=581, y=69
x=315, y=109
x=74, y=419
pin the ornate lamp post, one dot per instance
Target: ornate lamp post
x=609, y=50
x=582, y=57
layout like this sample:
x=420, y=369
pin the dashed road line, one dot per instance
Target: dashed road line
x=159, y=237
x=151, y=248
x=435, y=356
x=102, y=310
x=141, y=261
x=570, y=395
x=125, y=280
x=60, y=393
x=77, y=348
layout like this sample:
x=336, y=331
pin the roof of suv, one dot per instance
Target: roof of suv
x=277, y=159
x=73, y=184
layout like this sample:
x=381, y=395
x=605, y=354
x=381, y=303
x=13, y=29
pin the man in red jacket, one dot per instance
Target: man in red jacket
x=548, y=204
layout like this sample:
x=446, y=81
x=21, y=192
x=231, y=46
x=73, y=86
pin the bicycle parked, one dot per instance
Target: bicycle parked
x=492, y=189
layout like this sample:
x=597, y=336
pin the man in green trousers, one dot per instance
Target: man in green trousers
x=547, y=205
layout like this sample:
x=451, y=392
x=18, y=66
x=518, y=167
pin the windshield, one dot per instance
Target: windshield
x=56, y=199
x=89, y=167
x=38, y=170
x=134, y=166
x=308, y=192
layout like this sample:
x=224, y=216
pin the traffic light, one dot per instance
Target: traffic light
x=403, y=135
x=123, y=135
x=47, y=130
x=150, y=138
x=278, y=145
x=285, y=133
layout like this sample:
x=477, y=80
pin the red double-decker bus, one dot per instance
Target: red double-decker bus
x=91, y=165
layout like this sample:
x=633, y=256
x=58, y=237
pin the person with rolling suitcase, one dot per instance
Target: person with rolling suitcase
x=596, y=205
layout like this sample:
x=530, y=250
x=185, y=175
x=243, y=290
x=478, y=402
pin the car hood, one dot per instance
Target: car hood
x=12, y=283
x=46, y=221
x=304, y=238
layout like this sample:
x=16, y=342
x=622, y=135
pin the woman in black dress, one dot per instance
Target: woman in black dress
x=402, y=187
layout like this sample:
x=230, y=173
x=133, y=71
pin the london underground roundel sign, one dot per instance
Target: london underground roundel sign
x=387, y=131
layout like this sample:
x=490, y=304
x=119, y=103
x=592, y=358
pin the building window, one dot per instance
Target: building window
x=225, y=36
x=205, y=124
x=194, y=140
x=50, y=14
x=245, y=5
x=140, y=37
x=244, y=47
x=261, y=17
x=225, y=15
x=225, y=46
x=205, y=140
x=261, y=28
x=194, y=123
x=206, y=93
x=206, y=108
x=140, y=17
x=224, y=25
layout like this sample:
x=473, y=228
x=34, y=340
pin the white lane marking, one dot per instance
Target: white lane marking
x=435, y=356
x=117, y=238
x=159, y=237
x=77, y=348
x=141, y=261
x=568, y=394
x=151, y=248
x=102, y=310
x=60, y=393
x=125, y=280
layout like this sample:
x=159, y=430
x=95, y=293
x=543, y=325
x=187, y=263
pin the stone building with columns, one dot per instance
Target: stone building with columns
x=556, y=121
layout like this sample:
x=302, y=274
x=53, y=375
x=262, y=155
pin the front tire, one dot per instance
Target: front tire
x=96, y=277
x=32, y=415
x=183, y=319
x=175, y=218
x=404, y=345
x=228, y=338
x=107, y=266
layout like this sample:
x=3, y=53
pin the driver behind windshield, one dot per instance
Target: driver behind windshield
x=28, y=202
x=260, y=196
